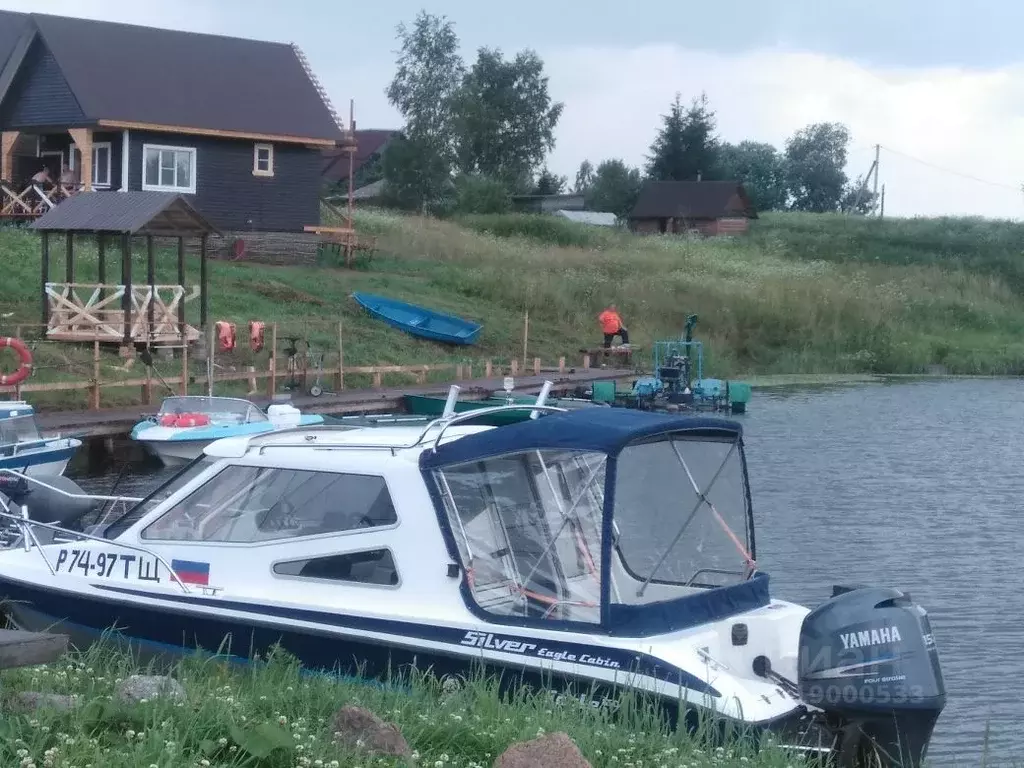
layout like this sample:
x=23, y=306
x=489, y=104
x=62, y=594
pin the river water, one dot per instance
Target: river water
x=911, y=485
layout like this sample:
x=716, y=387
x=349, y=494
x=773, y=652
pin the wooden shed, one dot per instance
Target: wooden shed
x=679, y=207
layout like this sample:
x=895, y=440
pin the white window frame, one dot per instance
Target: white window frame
x=256, y=170
x=96, y=145
x=191, y=189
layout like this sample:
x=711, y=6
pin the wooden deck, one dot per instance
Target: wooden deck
x=114, y=422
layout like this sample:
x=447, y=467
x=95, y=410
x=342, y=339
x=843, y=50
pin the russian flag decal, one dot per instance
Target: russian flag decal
x=192, y=572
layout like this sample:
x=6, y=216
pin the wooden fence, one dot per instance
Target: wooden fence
x=185, y=380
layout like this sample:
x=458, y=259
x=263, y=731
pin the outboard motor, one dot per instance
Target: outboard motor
x=868, y=659
x=45, y=505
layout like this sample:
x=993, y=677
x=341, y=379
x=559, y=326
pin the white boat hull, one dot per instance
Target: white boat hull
x=175, y=452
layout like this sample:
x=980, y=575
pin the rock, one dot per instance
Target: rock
x=555, y=750
x=30, y=701
x=359, y=728
x=134, y=689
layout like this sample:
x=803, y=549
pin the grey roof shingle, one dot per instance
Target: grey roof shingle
x=136, y=74
x=691, y=199
x=154, y=213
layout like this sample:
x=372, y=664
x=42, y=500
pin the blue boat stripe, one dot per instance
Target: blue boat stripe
x=35, y=458
x=628, y=661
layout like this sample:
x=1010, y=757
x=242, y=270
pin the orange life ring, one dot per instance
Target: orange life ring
x=226, y=335
x=256, y=335
x=24, y=355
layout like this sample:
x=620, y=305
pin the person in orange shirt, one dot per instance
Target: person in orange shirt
x=611, y=325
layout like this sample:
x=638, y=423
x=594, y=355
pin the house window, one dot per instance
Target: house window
x=370, y=567
x=100, y=163
x=168, y=169
x=251, y=505
x=263, y=160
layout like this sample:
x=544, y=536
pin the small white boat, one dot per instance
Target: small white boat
x=186, y=424
x=583, y=553
x=24, y=449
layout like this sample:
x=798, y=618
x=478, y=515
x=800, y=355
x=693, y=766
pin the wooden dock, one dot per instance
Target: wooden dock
x=115, y=422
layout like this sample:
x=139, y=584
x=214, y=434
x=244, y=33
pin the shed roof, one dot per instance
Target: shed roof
x=133, y=213
x=124, y=73
x=597, y=218
x=691, y=199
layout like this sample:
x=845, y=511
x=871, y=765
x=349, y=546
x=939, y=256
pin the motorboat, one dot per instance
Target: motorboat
x=186, y=424
x=586, y=553
x=24, y=449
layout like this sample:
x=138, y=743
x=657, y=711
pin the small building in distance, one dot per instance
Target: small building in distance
x=594, y=218
x=547, y=203
x=680, y=207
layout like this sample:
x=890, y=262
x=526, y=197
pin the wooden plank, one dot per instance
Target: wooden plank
x=272, y=137
x=26, y=649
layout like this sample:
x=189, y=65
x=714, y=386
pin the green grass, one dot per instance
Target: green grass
x=272, y=716
x=801, y=294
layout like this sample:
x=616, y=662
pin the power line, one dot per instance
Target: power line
x=1015, y=188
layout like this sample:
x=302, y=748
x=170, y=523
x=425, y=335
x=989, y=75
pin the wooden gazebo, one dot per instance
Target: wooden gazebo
x=124, y=312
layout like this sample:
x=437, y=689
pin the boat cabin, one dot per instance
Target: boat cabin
x=606, y=520
x=17, y=424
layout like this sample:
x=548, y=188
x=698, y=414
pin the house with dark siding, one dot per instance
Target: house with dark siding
x=238, y=126
x=703, y=207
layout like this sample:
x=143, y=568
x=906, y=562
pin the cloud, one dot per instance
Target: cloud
x=965, y=121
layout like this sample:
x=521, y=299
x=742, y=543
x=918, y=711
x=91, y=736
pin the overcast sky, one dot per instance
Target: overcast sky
x=938, y=83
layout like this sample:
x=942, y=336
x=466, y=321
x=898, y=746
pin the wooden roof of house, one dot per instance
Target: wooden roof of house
x=131, y=213
x=692, y=200
x=368, y=142
x=129, y=76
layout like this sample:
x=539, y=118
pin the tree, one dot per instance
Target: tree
x=428, y=75
x=504, y=118
x=480, y=194
x=584, y=178
x=416, y=177
x=686, y=147
x=615, y=188
x=549, y=183
x=762, y=170
x=816, y=159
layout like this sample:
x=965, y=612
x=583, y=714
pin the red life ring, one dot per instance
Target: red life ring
x=24, y=355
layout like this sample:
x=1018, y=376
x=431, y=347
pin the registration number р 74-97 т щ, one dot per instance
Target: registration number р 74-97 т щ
x=107, y=565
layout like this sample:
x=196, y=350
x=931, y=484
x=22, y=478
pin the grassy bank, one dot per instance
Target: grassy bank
x=271, y=716
x=800, y=294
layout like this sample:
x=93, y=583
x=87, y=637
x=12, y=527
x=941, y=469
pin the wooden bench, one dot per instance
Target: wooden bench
x=27, y=649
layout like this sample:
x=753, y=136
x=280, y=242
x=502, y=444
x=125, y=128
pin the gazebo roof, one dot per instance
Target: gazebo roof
x=161, y=214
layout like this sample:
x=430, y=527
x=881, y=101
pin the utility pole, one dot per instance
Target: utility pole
x=881, y=210
x=874, y=198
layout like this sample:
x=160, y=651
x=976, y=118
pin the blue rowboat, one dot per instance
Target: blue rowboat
x=419, y=321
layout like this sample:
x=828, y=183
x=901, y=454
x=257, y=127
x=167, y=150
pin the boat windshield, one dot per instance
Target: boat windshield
x=681, y=518
x=528, y=529
x=222, y=410
x=178, y=480
x=18, y=429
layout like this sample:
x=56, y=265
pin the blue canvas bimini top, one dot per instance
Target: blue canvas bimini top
x=608, y=430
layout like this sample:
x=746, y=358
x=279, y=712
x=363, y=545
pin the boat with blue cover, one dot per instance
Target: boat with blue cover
x=186, y=424
x=24, y=449
x=420, y=321
x=581, y=554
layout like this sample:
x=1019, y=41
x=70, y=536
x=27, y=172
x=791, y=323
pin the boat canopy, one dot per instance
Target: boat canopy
x=608, y=520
